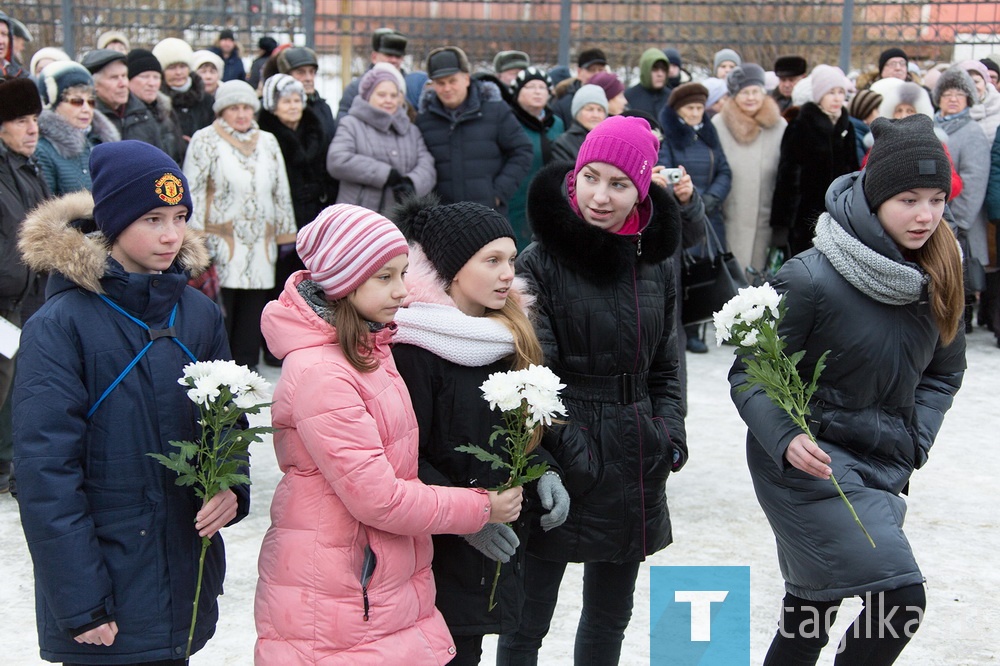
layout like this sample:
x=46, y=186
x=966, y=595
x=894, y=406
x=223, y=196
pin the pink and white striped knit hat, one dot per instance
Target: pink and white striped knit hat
x=345, y=245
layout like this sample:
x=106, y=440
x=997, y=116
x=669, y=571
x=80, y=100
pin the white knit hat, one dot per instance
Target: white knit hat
x=345, y=245
x=171, y=51
x=278, y=86
x=235, y=92
x=199, y=58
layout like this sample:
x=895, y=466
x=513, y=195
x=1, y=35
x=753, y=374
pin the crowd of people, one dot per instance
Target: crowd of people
x=441, y=226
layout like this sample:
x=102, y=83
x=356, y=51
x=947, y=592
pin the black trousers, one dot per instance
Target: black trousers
x=243, y=309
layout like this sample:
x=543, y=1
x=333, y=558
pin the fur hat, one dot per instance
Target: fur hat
x=132, y=178
x=47, y=53
x=955, y=78
x=379, y=72
x=450, y=235
x=609, y=82
x=906, y=154
x=789, y=66
x=295, y=57
x=110, y=36
x=896, y=91
x=864, y=103
x=742, y=76
x=446, y=61
x=529, y=74
x=171, y=51
x=888, y=54
x=506, y=60
x=389, y=42
x=624, y=142
x=206, y=57
x=687, y=93
x=235, y=92
x=58, y=77
x=345, y=245
x=140, y=61
x=726, y=55
x=825, y=78
x=18, y=97
x=98, y=59
x=588, y=94
x=278, y=86
x=591, y=57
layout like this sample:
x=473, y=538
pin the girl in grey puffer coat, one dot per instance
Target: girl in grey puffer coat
x=882, y=291
x=377, y=154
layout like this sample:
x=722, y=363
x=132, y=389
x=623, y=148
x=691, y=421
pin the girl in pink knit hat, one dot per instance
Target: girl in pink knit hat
x=604, y=286
x=345, y=566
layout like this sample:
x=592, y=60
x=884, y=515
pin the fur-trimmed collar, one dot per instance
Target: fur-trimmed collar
x=746, y=128
x=189, y=98
x=60, y=236
x=678, y=134
x=69, y=141
x=590, y=251
x=301, y=146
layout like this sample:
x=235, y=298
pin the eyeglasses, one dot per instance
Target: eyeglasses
x=751, y=91
x=953, y=94
x=80, y=101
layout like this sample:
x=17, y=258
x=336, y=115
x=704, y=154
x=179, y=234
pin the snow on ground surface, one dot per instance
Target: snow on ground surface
x=952, y=525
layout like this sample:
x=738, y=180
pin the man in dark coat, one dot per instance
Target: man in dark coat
x=158, y=126
x=590, y=62
x=301, y=64
x=789, y=70
x=22, y=187
x=266, y=46
x=481, y=153
x=387, y=46
x=227, y=49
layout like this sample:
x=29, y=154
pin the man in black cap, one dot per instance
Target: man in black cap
x=508, y=64
x=893, y=64
x=301, y=64
x=158, y=125
x=22, y=187
x=789, y=70
x=127, y=113
x=227, y=49
x=265, y=47
x=387, y=46
x=481, y=152
x=588, y=63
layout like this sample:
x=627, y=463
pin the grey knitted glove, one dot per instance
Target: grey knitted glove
x=496, y=541
x=554, y=497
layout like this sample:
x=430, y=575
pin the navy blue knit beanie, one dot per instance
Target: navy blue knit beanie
x=130, y=179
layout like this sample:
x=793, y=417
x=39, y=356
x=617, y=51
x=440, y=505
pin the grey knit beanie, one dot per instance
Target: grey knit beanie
x=588, y=94
x=726, y=55
x=906, y=154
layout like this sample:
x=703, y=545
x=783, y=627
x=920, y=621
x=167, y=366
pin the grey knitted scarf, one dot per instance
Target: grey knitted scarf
x=875, y=275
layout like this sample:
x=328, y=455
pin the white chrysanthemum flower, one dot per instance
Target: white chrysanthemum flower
x=204, y=391
x=543, y=405
x=543, y=378
x=503, y=390
x=750, y=338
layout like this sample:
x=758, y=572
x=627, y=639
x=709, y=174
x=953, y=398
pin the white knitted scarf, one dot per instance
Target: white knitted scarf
x=874, y=274
x=448, y=332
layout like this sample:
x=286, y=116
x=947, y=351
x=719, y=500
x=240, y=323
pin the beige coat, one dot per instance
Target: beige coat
x=752, y=147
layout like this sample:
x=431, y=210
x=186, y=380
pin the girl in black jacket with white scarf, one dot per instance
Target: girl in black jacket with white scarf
x=604, y=285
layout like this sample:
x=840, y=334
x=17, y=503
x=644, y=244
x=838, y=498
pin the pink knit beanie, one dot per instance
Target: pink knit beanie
x=625, y=142
x=825, y=78
x=345, y=245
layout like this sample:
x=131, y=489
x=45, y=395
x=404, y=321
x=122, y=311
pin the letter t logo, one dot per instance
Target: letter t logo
x=701, y=610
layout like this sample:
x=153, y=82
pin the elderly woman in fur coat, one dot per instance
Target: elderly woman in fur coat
x=750, y=128
x=69, y=127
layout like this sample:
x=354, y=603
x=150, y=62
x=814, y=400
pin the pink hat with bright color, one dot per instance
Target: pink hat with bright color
x=625, y=142
x=345, y=245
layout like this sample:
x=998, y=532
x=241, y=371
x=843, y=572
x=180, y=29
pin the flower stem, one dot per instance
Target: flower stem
x=205, y=543
x=493, y=590
x=850, y=508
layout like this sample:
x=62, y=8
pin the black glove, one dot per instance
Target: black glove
x=403, y=190
x=395, y=178
x=711, y=203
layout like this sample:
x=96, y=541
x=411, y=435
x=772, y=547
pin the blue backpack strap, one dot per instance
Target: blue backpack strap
x=154, y=335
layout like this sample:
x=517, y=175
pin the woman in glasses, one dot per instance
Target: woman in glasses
x=68, y=127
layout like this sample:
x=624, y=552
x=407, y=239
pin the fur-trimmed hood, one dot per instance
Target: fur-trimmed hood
x=60, y=236
x=588, y=250
x=69, y=141
x=746, y=128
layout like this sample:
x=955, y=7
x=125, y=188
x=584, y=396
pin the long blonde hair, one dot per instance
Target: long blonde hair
x=527, y=348
x=941, y=258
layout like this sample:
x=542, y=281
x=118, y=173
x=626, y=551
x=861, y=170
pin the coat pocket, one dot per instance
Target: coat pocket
x=127, y=541
x=368, y=563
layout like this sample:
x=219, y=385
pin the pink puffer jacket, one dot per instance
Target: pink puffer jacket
x=347, y=444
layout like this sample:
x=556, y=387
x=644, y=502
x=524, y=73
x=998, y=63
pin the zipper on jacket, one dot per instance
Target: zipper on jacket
x=635, y=409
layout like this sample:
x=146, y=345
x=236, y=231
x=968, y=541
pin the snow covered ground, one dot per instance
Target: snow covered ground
x=952, y=524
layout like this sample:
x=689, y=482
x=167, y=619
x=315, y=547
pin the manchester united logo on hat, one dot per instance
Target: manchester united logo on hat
x=170, y=189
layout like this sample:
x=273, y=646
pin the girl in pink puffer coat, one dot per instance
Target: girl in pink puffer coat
x=344, y=568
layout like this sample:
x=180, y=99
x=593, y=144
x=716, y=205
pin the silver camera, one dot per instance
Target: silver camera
x=673, y=176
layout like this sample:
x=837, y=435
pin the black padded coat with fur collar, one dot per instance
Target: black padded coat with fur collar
x=605, y=318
